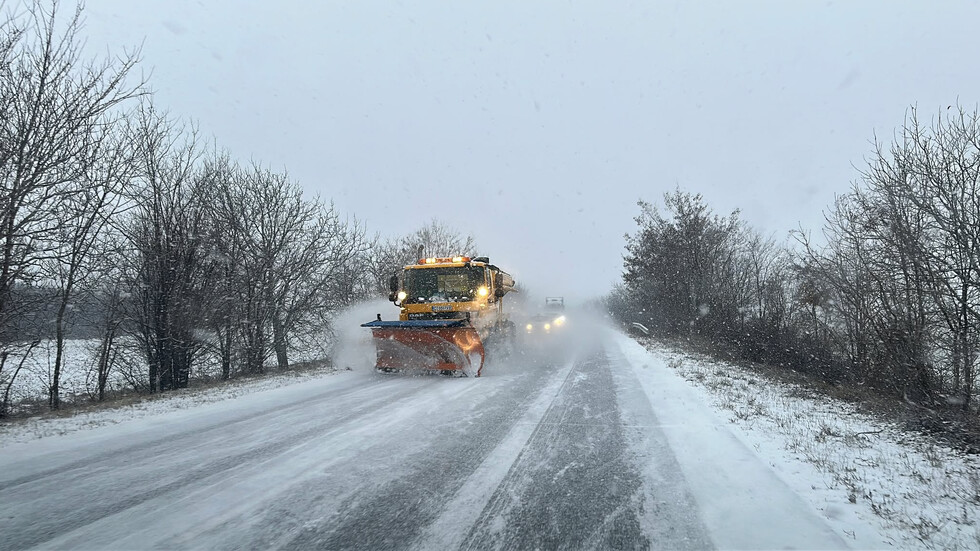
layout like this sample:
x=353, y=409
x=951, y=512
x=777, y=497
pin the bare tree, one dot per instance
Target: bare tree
x=56, y=110
x=292, y=258
x=318, y=274
x=384, y=258
x=95, y=198
x=260, y=212
x=836, y=278
x=109, y=287
x=939, y=175
x=876, y=296
x=901, y=260
x=767, y=268
x=220, y=178
x=17, y=355
x=169, y=236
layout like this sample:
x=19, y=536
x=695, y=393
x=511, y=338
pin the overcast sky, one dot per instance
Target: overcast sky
x=536, y=126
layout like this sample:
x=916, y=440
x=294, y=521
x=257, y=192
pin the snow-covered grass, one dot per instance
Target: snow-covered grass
x=919, y=491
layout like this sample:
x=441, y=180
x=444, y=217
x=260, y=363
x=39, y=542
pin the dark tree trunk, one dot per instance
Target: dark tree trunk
x=54, y=392
x=106, y=353
x=225, y=343
x=279, y=341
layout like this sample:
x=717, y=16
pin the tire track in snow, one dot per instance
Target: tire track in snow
x=463, y=511
x=395, y=513
x=572, y=486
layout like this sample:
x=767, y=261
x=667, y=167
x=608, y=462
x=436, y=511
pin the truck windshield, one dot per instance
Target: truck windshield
x=455, y=284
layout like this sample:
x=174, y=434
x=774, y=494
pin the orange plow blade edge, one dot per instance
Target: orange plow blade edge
x=438, y=345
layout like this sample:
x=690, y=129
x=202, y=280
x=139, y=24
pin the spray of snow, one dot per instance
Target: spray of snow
x=353, y=347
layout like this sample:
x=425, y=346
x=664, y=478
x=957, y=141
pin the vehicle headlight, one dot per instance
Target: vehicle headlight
x=559, y=320
x=402, y=295
x=483, y=291
x=547, y=327
x=529, y=327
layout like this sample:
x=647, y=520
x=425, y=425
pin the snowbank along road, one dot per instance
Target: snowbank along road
x=566, y=444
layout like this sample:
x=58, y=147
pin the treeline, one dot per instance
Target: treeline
x=118, y=217
x=887, y=297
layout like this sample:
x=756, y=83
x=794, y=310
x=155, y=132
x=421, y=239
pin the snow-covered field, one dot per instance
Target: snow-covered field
x=353, y=350
x=861, y=472
x=746, y=447
x=78, y=379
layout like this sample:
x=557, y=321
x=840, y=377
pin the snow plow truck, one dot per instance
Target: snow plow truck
x=451, y=313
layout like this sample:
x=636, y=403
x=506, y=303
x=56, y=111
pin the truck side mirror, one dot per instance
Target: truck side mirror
x=393, y=288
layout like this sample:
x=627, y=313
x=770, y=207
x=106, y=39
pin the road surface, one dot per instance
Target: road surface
x=556, y=447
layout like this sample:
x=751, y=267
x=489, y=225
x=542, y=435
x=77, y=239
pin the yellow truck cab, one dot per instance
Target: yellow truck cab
x=450, y=288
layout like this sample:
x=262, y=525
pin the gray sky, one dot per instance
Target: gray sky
x=536, y=126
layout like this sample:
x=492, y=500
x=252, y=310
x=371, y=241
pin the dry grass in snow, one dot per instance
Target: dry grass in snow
x=909, y=484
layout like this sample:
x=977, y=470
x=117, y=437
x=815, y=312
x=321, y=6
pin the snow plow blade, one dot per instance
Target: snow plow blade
x=437, y=345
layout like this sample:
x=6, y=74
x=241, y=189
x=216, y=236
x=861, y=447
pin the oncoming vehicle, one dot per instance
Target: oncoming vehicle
x=549, y=321
x=544, y=324
x=554, y=303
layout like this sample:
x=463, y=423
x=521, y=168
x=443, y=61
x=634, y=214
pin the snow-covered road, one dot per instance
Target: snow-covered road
x=584, y=445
